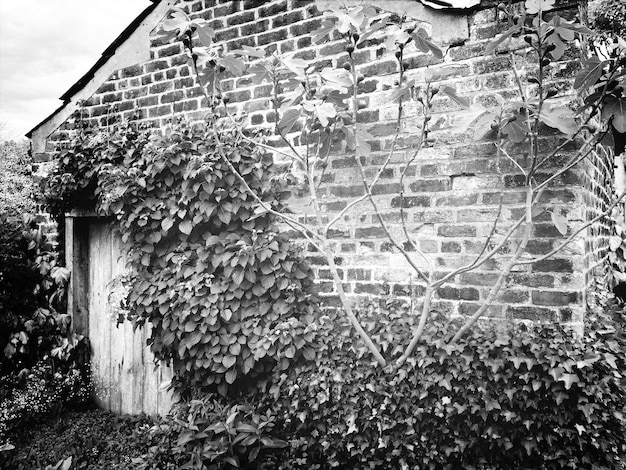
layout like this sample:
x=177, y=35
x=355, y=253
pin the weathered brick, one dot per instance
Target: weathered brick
x=554, y=298
x=359, y=274
x=410, y=201
x=457, y=231
x=430, y=185
x=287, y=19
x=369, y=232
x=530, y=313
x=347, y=191
x=453, y=293
x=556, y=265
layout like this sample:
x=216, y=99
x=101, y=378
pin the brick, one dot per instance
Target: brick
x=172, y=97
x=338, y=233
x=456, y=201
x=156, y=65
x=410, y=201
x=479, y=279
x=380, y=69
x=468, y=308
x=430, y=185
x=287, y=19
x=243, y=17
x=369, y=232
x=170, y=50
x=554, y=265
x=374, y=289
x=453, y=293
x=530, y=313
x=112, y=98
x=531, y=280
x=273, y=9
x=457, y=231
x=554, y=298
x=391, y=188
x=131, y=71
x=106, y=87
x=347, y=191
x=272, y=37
x=359, y=274
x=450, y=247
x=160, y=87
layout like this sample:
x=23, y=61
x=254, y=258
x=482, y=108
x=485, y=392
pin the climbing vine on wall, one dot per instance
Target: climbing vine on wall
x=225, y=292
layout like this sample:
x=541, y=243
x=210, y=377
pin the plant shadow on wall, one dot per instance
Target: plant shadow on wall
x=230, y=299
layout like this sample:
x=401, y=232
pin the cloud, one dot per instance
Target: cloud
x=47, y=45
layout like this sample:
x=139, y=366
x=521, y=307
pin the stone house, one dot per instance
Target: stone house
x=455, y=185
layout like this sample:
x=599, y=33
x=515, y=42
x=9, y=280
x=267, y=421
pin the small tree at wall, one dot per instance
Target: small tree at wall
x=317, y=112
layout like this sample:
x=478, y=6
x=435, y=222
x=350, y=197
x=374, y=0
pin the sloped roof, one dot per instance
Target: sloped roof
x=105, y=56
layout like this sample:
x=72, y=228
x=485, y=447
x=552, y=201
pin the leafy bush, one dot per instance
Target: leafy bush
x=608, y=16
x=214, y=436
x=92, y=438
x=18, y=191
x=32, y=297
x=495, y=400
x=45, y=391
x=226, y=293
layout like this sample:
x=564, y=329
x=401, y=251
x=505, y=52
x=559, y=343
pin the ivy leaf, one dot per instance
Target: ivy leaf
x=167, y=224
x=424, y=44
x=569, y=380
x=559, y=222
x=288, y=120
x=493, y=45
x=559, y=117
x=535, y=6
x=451, y=92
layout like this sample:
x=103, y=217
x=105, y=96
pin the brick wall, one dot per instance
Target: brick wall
x=453, y=189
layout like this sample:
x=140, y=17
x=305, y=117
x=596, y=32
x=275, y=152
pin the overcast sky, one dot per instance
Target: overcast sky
x=46, y=46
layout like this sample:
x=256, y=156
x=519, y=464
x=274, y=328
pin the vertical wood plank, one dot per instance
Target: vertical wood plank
x=151, y=383
x=104, y=266
x=118, y=337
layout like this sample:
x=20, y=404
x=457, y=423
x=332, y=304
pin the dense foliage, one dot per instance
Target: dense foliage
x=18, y=191
x=42, y=363
x=93, y=439
x=224, y=290
x=536, y=399
x=609, y=16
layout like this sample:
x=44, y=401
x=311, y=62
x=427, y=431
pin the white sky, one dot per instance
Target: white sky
x=46, y=46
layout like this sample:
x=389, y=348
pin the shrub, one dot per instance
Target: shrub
x=94, y=439
x=227, y=294
x=18, y=191
x=495, y=400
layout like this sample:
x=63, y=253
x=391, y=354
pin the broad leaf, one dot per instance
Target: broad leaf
x=206, y=34
x=559, y=117
x=186, y=227
x=451, y=92
x=493, y=45
x=338, y=76
x=402, y=92
x=248, y=51
x=535, y=6
x=178, y=21
x=288, y=121
x=590, y=74
x=424, y=44
x=559, y=222
x=615, y=110
x=363, y=148
x=260, y=72
x=324, y=112
x=232, y=65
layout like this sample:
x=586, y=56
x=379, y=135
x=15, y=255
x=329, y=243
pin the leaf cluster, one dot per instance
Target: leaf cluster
x=514, y=399
x=226, y=293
